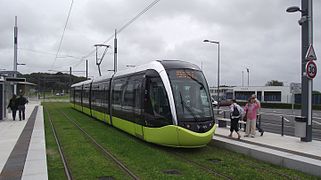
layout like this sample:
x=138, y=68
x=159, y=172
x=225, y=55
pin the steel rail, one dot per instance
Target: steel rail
x=210, y=170
x=103, y=150
x=61, y=153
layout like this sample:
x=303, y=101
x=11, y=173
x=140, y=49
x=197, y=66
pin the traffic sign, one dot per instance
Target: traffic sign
x=311, y=69
x=310, y=54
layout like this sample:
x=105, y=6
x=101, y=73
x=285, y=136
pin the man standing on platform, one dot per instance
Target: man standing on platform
x=22, y=101
x=257, y=124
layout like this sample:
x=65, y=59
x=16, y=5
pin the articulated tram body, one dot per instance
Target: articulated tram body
x=163, y=102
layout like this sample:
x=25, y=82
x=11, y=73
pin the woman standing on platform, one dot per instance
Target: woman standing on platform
x=13, y=105
x=251, y=112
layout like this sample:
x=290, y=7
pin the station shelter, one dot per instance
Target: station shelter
x=7, y=90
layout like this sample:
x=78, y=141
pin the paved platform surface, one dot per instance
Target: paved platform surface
x=285, y=151
x=33, y=162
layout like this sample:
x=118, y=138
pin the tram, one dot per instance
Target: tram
x=166, y=102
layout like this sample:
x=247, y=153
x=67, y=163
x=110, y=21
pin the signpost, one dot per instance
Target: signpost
x=310, y=54
x=311, y=69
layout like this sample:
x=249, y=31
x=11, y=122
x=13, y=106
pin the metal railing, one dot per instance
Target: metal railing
x=259, y=117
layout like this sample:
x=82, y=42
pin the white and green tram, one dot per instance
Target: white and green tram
x=164, y=102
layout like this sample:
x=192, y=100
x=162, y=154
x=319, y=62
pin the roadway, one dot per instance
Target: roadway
x=271, y=121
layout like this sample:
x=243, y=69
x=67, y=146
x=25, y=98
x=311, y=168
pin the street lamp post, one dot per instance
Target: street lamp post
x=248, y=76
x=306, y=22
x=242, y=78
x=218, y=69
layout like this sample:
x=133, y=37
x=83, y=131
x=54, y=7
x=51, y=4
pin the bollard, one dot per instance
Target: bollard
x=224, y=115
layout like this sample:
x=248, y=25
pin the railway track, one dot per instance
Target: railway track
x=61, y=153
x=103, y=150
x=107, y=154
x=194, y=163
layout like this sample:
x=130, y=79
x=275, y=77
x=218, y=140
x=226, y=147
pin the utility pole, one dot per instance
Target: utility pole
x=115, y=52
x=70, y=75
x=307, y=58
x=248, y=76
x=15, y=53
x=86, y=69
x=307, y=85
x=242, y=78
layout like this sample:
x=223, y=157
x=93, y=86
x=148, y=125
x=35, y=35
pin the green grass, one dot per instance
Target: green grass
x=149, y=161
x=85, y=161
x=55, y=166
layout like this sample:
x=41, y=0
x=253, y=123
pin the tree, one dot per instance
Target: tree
x=274, y=83
x=52, y=82
x=316, y=92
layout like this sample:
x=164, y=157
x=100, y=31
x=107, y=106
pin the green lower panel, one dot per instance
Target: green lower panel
x=189, y=138
x=86, y=111
x=77, y=107
x=124, y=125
x=101, y=116
x=171, y=135
x=176, y=136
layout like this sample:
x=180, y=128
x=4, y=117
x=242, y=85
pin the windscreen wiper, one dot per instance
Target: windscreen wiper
x=187, y=107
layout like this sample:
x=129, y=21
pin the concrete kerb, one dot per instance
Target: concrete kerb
x=304, y=164
x=36, y=162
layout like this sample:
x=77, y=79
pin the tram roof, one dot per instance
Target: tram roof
x=158, y=65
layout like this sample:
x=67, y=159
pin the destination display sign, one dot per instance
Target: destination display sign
x=185, y=74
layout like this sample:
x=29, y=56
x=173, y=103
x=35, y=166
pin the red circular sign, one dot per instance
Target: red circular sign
x=311, y=69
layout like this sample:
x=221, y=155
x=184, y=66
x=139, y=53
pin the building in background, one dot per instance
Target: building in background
x=267, y=94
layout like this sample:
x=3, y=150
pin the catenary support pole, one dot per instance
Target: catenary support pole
x=15, y=53
x=115, y=52
x=86, y=69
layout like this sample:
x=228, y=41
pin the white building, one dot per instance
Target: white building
x=272, y=94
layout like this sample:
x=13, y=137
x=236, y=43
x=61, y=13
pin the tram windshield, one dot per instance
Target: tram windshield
x=191, y=95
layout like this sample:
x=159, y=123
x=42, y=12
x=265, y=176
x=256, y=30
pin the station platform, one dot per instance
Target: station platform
x=286, y=151
x=22, y=145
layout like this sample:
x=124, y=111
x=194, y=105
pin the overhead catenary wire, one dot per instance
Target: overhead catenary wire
x=63, y=33
x=49, y=53
x=126, y=25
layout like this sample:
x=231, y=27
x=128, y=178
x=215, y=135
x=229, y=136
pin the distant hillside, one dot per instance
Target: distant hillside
x=52, y=82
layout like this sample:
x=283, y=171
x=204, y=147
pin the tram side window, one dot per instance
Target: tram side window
x=86, y=96
x=117, y=97
x=77, y=96
x=94, y=96
x=157, y=106
x=137, y=101
x=105, y=96
x=129, y=95
x=128, y=101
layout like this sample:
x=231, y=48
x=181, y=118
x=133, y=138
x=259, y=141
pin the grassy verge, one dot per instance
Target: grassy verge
x=150, y=161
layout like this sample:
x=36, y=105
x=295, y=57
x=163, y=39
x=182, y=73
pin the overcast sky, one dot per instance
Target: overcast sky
x=257, y=34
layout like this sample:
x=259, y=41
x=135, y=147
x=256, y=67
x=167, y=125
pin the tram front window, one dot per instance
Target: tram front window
x=191, y=95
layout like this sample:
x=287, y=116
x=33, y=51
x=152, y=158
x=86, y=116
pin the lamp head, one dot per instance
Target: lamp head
x=293, y=9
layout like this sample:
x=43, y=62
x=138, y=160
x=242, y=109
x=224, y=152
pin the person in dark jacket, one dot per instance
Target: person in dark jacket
x=236, y=112
x=13, y=105
x=21, y=101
